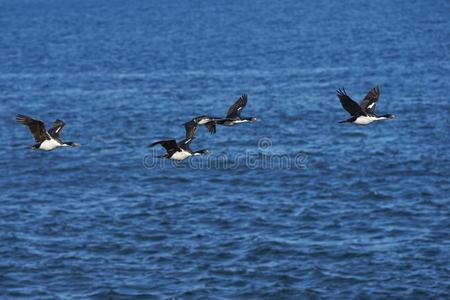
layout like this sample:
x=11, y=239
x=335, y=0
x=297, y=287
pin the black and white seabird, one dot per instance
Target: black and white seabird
x=233, y=117
x=208, y=121
x=364, y=113
x=46, y=140
x=234, y=114
x=179, y=151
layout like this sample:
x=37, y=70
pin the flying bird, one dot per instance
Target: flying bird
x=363, y=113
x=234, y=114
x=46, y=140
x=208, y=121
x=233, y=117
x=179, y=151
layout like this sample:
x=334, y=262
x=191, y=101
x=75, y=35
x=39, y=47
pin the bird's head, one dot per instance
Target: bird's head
x=71, y=144
x=201, y=152
x=389, y=116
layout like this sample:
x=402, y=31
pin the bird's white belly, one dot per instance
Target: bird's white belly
x=204, y=121
x=234, y=122
x=180, y=155
x=49, y=145
x=364, y=120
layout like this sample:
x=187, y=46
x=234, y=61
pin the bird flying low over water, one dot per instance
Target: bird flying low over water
x=363, y=113
x=233, y=117
x=46, y=140
x=234, y=114
x=179, y=151
x=209, y=122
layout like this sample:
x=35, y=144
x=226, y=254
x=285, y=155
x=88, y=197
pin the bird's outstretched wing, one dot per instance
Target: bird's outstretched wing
x=191, y=128
x=170, y=145
x=211, y=127
x=235, y=110
x=186, y=144
x=58, y=125
x=370, y=101
x=349, y=105
x=36, y=127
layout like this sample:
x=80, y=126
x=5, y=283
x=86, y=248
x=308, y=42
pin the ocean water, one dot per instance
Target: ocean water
x=294, y=206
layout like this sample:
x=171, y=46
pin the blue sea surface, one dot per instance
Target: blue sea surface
x=294, y=206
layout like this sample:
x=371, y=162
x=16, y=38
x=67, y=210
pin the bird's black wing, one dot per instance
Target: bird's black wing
x=349, y=105
x=235, y=110
x=370, y=101
x=58, y=125
x=185, y=144
x=191, y=128
x=211, y=127
x=170, y=146
x=36, y=127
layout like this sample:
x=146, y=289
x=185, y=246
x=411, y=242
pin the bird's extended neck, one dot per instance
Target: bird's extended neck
x=200, y=152
x=386, y=117
x=70, y=144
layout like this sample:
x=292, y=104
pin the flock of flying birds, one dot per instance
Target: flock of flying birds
x=361, y=114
